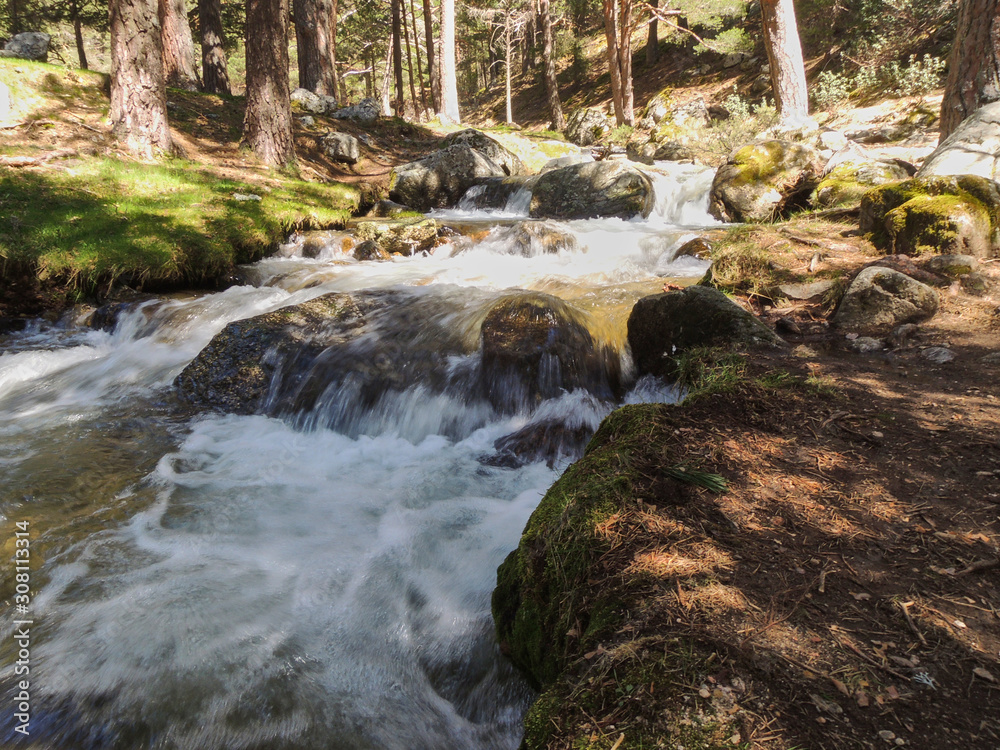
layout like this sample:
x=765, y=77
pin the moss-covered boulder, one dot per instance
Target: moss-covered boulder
x=598, y=188
x=490, y=147
x=404, y=236
x=587, y=125
x=440, y=179
x=844, y=185
x=535, y=346
x=663, y=326
x=879, y=299
x=949, y=215
x=765, y=181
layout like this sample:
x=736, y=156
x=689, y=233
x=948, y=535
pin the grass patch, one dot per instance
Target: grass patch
x=154, y=226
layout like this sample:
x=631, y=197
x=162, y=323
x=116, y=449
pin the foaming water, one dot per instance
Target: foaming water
x=319, y=578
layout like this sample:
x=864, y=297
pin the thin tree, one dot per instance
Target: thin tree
x=653, y=36
x=178, y=46
x=313, y=33
x=397, y=59
x=449, y=79
x=409, y=59
x=420, y=67
x=618, y=27
x=138, y=91
x=432, y=66
x=548, y=58
x=784, y=53
x=214, y=72
x=75, y=17
x=974, y=65
x=267, y=124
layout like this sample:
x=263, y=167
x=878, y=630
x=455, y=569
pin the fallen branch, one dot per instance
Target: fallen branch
x=977, y=566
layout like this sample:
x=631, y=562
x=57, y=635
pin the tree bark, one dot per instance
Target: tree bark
x=338, y=80
x=784, y=53
x=432, y=67
x=618, y=32
x=313, y=21
x=78, y=34
x=653, y=37
x=420, y=67
x=138, y=92
x=409, y=60
x=397, y=59
x=214, y=72
x=548, y=58
x=267, y=124
x=178, y=46
x=974, y=65
x=507, y=73
x=449, y=78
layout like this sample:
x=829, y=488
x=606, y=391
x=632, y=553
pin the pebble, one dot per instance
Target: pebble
x=939, y=355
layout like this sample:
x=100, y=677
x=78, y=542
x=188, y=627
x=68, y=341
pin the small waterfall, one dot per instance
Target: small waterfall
x=682, y=192
x=519, y=203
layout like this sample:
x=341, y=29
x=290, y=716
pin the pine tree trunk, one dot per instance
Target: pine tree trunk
x=267, y=125
x=178, y=46
x=784, y=53
x=625, y=27
x=386, y=79
x=78, y=34
x=397, y=59
x=432, y=66
x=611, y=34
x=449, y=78
x=409, y=61
x=420, y=67
x=339, y=87
x=653, y=38
x=974, y=65
x=214, y=72
x=551, y=82
x=507, y=40
x=138, y=92
x=313, y=19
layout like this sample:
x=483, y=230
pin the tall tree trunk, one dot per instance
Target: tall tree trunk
x=339, y=87
x=432, y=66
x=653, y=38
x=507, y=45
x=784, y=53
x=974, y=65
x=449, y=78
x=618, y=32
x=551, y=83
x=386, y=79
x=267, y=124
x=625, y=27
x=74, y=10
x=397, y=59
x=313, y=19
x=14, y=14
x=178, y=46
x=420, y=68
x=138, y=92
x=214, y=73
x=409, y=61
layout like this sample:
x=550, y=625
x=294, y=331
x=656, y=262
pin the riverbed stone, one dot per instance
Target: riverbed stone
x=880, y=299
x=662, y=326
x=403, y=236
x=440, y=179
x=599, y=188
x=763, y=181
x=536, y=346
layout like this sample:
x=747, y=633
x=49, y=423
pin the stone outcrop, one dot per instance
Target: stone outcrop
x=489, y=147
x=440, y=179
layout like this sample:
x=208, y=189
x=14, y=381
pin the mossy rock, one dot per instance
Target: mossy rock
x=659, y=106
x=404, y=236
x=666, y=325
x=764, y=181
x=948, y=215
x=845, y=184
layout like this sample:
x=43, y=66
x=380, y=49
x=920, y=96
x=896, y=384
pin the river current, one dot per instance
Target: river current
x=201, y=580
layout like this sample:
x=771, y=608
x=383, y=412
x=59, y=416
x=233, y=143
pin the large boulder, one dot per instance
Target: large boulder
x=326, y=351
x=341, y=147
x=973, y=148
x=31, y=45
x=599, y=188
x=845, y=184
x=311, y=102
x=950, y=215
x=879, y=299
x=490, y=147
x=535, y=347
x=441, y=179
x=367, y=110
x=665, y=325
x=587, y=125
x=763, y=181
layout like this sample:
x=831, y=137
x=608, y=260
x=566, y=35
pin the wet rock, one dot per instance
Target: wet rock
x=664, y=325
x=763, y=181
x=535, y=347
x=846, y=183
x=12, y=325
x=587, y=125
x=549, y=441
x=403, y=236
x=533, y=238
x=367, y=110
x=387, y=209
x=489, y=147
x=442, y=178
x=973, y=148
x=341, y=147
x=947, y=215
x=880, y=299
x=494, y=193
x=31, y=45
x=699, y=247
x=583, y=191
x=369, y=250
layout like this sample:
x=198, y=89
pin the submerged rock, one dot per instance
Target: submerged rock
x=535, y=347
x=584, y=191
x=549, y=441
x=879, y=299
x=663, y=326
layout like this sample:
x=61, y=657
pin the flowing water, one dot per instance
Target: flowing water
x=318, y=579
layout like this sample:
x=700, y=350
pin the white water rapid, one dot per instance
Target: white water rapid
x=321, y=580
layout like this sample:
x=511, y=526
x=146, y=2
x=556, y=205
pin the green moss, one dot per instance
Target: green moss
x=925, y=224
